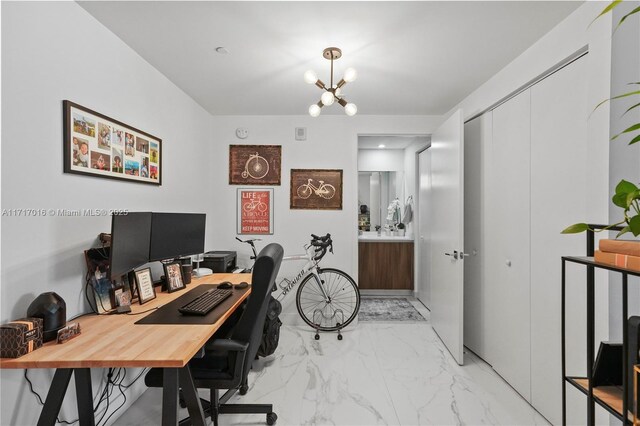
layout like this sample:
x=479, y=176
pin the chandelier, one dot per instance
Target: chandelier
x=332, y=94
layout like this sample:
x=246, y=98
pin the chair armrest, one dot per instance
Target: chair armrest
x=227, y=345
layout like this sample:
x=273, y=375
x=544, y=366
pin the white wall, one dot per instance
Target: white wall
x=381, y=160
x=332, y=142
x=53, y=51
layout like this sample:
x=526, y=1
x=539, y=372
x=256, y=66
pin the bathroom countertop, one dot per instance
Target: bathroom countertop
x=372, y=237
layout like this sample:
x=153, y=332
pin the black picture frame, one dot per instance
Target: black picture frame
x=143, y=147
x=144, y=285
x=173, y=276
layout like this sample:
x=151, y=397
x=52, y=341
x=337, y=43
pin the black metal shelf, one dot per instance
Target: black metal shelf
x=613, y=399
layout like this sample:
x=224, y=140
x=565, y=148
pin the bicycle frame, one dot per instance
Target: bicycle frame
x=311, y=267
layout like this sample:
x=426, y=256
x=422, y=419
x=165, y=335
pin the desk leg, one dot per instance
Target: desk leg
x=170, y=396
x=55, y=396
x=84, y=396
x=191, y=397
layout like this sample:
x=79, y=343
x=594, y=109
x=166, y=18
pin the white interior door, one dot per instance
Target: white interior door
x=508, y=237
x=447, y=233
x=424, y=195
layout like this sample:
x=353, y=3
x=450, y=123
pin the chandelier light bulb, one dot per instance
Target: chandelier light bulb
x=350, y=74
x=314, y=110
x=310, y=77
x=338, y=92
x=327, y=98
x=351, y=109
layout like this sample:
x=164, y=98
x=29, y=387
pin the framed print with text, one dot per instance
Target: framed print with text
x=97, y=145
x=255, y=211
x=144, y=284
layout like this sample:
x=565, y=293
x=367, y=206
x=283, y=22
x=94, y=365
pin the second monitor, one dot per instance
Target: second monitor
x=176, y=234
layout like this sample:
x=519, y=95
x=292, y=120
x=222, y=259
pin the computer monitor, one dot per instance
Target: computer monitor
x=130, y=238
x=176, y=234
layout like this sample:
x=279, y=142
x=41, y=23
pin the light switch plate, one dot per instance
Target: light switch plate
x=301, y=133
x=242, y=132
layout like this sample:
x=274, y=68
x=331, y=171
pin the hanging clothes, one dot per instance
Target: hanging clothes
x=408, y=210
x=393, y=211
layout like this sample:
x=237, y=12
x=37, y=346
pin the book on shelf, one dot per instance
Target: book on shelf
x=617, y=259
x=628, y=247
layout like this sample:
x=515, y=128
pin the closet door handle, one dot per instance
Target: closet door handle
x=454, y=254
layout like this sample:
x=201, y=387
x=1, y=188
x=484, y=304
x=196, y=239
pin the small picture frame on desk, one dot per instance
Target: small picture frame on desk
x=144, y=284
x=173, y=275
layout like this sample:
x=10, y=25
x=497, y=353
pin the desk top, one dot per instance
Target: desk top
x=116, y=341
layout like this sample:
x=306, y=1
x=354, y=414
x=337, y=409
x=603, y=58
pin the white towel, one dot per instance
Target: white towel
x=408, y=214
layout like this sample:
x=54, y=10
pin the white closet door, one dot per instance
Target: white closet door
x=560, y=196
x=509, y=243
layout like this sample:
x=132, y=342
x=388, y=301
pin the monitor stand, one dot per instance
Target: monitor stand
x=202, y=272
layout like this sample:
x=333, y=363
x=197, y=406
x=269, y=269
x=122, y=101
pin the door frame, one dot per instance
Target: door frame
x=416, y=212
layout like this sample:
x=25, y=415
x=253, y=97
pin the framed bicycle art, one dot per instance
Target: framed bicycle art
x=255, y=164
x=255, y=211
x=316, y=189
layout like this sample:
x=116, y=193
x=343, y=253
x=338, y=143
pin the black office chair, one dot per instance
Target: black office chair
x=226, y=362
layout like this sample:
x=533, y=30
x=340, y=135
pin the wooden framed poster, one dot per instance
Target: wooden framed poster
x=316, y=189
x=97, y=145
x=255, y=164
x=255, y=211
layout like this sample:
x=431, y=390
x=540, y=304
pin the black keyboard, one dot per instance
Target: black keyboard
x=205, y=303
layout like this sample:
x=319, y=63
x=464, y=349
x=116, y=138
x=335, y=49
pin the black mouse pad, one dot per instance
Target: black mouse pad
x=168, y=314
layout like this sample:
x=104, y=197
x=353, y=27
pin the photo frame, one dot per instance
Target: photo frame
x=100, y=146
x=173, y=276
x=144, y=284
x=255, y=212
x=316, y=189
x=255, y=164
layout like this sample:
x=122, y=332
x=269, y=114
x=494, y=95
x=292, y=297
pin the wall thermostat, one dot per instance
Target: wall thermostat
x=242, y=132
x=301, y=133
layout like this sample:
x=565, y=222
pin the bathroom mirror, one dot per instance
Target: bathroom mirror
x=375, y=191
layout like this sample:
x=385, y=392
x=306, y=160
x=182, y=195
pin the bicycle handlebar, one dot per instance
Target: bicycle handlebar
x=321, y=244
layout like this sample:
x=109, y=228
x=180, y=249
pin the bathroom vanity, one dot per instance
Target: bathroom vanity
x=385, y=262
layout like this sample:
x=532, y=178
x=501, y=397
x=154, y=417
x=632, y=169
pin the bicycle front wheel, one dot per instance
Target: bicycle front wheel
x=341, y=307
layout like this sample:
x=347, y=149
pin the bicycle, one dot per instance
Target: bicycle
x=255, y=166
x=253, y=204
x=325, y=190
x=327, y=299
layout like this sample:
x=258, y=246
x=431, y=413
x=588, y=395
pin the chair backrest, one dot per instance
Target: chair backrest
x=250, y=325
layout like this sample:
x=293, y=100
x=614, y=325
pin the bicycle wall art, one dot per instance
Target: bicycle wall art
x=316, y=189
x=255, y=164
x=255, y=211
x=97, y=145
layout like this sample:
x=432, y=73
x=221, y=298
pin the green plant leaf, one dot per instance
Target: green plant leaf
x=635, y=140
x=634, y=225
x=636, y=10
x=607, y=9
x=630, y=108
x=634, y=195
x=623, y=231
x=624, y=95
x=576, y=228
x=629, y=129
x=620, y=200
x=625, y=187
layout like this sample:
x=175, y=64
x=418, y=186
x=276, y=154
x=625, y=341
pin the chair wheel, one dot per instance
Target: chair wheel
x=317, y=336
x=243, y=389
x=271, y=418
x=339, y=336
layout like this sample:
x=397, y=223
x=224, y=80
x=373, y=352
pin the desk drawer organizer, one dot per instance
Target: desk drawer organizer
x=20, y=337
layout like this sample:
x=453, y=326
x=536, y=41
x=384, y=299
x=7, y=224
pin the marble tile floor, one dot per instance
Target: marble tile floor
x=393, y=373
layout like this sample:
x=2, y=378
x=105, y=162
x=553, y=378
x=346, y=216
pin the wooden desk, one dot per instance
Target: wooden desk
x=116, y=341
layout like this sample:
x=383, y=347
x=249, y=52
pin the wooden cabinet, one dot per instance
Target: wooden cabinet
x=385, y=265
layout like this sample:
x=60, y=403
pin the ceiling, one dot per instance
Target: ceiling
x=412, y=57
x=389, y=142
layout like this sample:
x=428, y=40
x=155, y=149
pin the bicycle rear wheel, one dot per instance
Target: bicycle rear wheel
x=343, y=304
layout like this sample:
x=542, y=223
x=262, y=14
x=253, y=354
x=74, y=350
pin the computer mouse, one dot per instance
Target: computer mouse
x=242, y=285
x=225, y=285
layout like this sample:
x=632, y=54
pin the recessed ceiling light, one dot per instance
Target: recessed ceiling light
x=222, y=50
x=381, y=146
